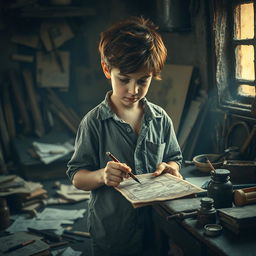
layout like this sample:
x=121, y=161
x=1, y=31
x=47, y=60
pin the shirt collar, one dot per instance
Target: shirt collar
x=106, y=111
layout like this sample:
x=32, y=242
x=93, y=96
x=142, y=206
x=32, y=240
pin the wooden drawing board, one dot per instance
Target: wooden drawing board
x=171, y=92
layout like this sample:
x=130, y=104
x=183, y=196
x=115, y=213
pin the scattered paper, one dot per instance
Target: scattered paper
x=54, y=201
x=60, y=214
x=57, y=251
x=34, y=248
x=7, y=178
x=51, y=152
x=72, y=194
x=22, y=224
x=70, y=252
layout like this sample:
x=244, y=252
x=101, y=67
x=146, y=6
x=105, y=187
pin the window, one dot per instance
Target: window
x=244, y=48
x=235, y=48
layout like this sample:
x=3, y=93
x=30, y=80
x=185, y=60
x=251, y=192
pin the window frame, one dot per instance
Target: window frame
x=228, y=99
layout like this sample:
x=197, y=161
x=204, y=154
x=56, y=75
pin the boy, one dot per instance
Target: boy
x=139, y=133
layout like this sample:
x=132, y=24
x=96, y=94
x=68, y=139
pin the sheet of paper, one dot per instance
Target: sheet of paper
x=22, y=224
x=155, y=189
x=60, y=214
x=70, y=252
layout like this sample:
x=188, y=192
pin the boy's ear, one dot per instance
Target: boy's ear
x=105, y=70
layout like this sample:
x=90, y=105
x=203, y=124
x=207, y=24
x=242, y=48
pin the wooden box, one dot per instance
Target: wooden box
x=241, y=172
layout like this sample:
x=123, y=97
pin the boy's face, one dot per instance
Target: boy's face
x=129, y=89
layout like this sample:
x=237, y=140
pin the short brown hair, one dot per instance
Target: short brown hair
x=133, y=44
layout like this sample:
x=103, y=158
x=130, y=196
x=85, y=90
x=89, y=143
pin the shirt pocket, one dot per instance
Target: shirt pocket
x=154, y=154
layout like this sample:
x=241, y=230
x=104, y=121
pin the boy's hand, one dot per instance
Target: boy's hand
x=171, y=167
x=114, y=173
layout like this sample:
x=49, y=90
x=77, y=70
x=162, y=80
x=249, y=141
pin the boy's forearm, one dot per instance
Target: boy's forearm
x=88, y=180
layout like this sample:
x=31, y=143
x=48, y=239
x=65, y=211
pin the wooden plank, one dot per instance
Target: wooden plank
x=8, y=112
x=64, y=119
x=193, y=139
x=35, y=110
x=54, y=99
x=190, y=120
x=19, y=99
x=4, y=136
x=23, y=58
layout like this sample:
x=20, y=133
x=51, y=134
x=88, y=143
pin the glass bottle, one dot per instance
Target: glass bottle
x=207, y=213
x=220, y=188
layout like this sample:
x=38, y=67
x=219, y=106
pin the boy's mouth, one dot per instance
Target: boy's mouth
x=131, y=99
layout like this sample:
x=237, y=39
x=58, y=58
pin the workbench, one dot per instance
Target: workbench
x=189, y=236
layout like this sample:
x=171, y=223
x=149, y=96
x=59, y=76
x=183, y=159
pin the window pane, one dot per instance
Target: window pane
x=246, y=90
x=244, y=21
x=245, y=62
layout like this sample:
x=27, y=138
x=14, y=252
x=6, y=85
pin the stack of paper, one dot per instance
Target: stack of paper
x=25, y=195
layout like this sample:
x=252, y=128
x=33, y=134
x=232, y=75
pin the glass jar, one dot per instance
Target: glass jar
x=4, y=214
x=207, y=213
x=220, y=188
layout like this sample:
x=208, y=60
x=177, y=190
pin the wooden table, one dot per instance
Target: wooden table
x=189, y=236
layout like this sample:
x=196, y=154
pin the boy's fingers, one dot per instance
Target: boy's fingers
x=120, y=166
x=125, y=168
x=161, y=167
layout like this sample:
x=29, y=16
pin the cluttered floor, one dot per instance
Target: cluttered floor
x=42, y=218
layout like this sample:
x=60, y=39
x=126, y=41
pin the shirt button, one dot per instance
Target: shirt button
x=128, y=129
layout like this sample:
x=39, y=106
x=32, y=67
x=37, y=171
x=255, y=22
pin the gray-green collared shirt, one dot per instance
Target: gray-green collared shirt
x=114, y=224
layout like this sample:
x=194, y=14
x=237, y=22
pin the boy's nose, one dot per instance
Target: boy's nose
x=133, y=88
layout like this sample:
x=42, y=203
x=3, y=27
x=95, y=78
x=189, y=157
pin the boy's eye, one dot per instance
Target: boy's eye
x=142, y=82
x=124, y=81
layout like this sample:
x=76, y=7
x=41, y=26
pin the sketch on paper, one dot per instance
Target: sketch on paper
x=155, y=189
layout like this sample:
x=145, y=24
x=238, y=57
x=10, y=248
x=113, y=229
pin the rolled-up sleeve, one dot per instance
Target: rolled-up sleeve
x=86, y=148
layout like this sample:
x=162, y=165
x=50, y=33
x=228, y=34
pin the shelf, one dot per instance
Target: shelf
x=55, y=12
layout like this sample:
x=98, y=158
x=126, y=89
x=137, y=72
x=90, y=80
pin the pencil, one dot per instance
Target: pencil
x=210, y=164
x=116, y=160
x=18, y=246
